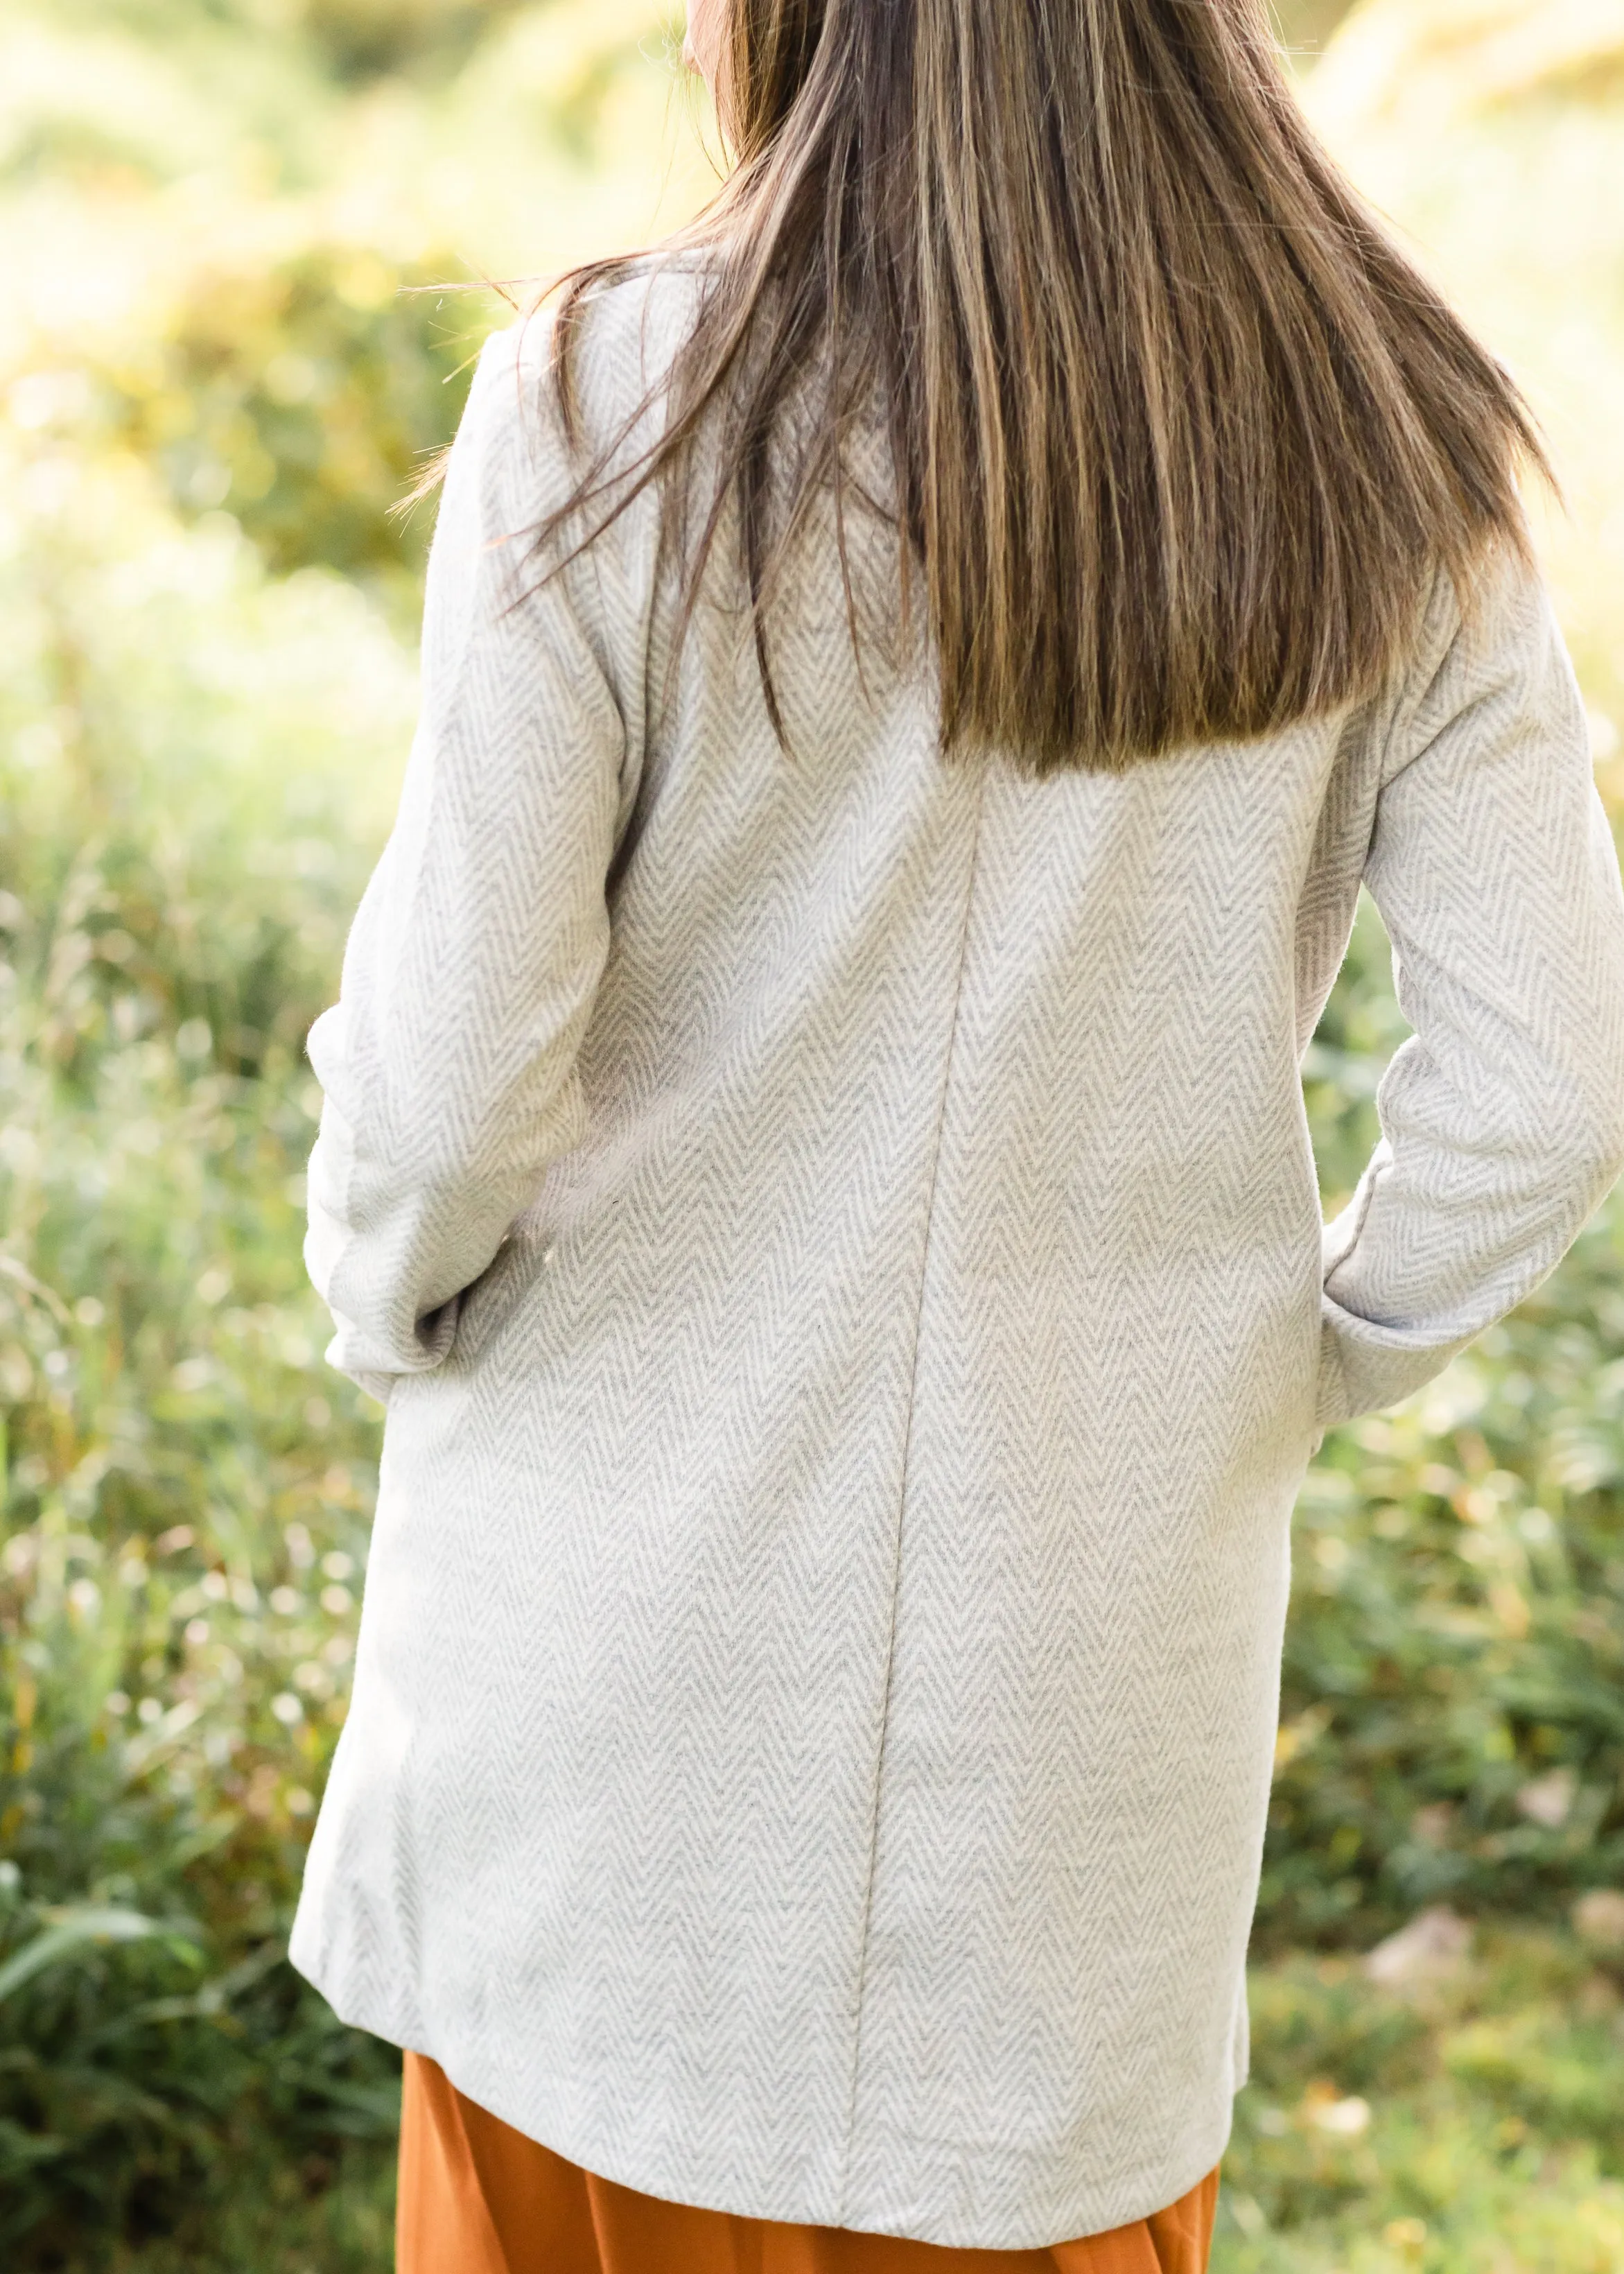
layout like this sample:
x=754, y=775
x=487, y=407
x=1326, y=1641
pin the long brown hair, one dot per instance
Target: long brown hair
x=1181, y=441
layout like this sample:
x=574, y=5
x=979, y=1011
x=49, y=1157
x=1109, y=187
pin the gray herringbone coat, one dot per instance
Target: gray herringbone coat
x=838, y=1238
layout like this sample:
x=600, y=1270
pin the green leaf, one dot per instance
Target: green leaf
x=72, y=1929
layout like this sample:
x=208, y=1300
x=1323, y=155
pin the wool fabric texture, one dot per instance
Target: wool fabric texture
x=838, y=1236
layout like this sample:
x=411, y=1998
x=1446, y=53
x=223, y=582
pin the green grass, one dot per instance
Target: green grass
x=265, y=2212
x=1474, y=2127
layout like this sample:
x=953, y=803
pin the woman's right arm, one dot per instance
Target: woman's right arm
x=1494, y=868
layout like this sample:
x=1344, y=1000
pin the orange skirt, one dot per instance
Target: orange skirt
x=476, y=2197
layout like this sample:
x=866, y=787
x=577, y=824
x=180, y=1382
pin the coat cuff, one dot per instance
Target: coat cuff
x=1364, y=1367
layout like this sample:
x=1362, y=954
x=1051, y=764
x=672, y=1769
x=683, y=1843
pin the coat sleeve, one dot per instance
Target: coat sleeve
x=447, y=1064
x=1494, y=868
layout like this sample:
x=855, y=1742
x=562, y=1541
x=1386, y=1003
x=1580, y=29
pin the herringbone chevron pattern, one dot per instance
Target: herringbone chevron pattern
x=838, y=1237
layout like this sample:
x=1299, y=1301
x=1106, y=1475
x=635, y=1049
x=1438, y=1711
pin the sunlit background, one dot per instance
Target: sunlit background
x=217, y=371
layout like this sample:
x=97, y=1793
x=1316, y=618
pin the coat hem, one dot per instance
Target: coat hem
x=1100, y=2205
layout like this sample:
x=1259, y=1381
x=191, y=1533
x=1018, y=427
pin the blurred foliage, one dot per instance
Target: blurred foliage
x=214, y=388
x=351, y=41
x=1453, y=1715
x=1467, y=2124
x=184, y=822
x=361, y=39
x=304, y=396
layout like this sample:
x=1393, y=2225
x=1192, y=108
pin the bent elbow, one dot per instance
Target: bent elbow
x=1589, y=1136
x=1607, y=1156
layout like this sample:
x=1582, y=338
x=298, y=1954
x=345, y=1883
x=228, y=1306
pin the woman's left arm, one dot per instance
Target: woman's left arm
x=448, y=1061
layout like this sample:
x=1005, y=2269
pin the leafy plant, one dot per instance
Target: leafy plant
x=187, y=1495
x=304, y=396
